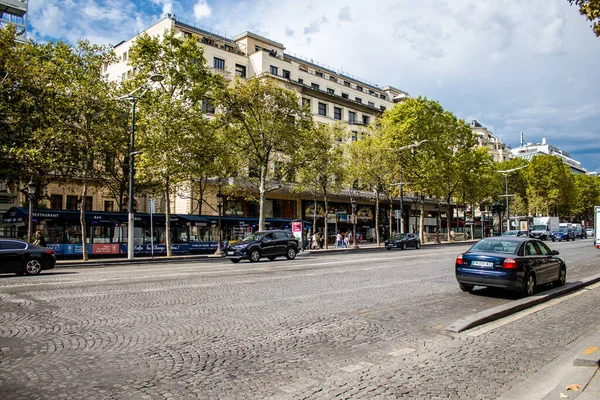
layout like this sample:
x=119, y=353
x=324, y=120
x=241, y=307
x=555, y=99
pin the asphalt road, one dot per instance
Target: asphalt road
x=365, y=324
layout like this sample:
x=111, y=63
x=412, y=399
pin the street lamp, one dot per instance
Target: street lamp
x=31, y=189
x=401, y=183
x=133, y=97
x=505, y=173
x=354, y=239
x=219, y=251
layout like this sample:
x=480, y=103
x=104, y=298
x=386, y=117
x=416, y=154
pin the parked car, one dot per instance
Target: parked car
x=402, y=241
x=20, y=257
x=513, y=263
x=589, y=232
x=515, y=233
x=270, y=244
x=563, y=233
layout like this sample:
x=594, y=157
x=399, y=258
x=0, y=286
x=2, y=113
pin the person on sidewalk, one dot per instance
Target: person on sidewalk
x=338, y=240
x=39, y=239
x=346, y=241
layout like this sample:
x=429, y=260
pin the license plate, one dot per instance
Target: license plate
x=230, y=253
x=484, y=264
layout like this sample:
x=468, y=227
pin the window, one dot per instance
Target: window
x=319, y=74
x=322, y=109
x=346, y=83
x=330, y=91
x=56, y=201
x=240, y=70
x=207, y=106
x=88, y=203
x=358, y=100
x=359, y=88
x=125, y=56
x=382, y=108
x=72, y=202
x=219, y=63
x=306, y=102
x=274, y=70
x=109, y=205
x=332, y=78
x=314, y=86
x=345, y=95
x=371, y=92
x=382, y=97
x=351, y=116
x=365, y=119
x=371, y=104
x=300, y=80
x=337, y=113
x=286, y=74
x=354, y=136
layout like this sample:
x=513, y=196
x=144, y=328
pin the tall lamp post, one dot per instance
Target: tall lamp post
x=31, y=189
x=354, y=239
x=219, y=251
x=401, y=183
x=505, y=173
x=133, y=97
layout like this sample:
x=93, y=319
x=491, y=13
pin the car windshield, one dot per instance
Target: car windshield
x=400, y=236
x=510, y=233
x=563, y=229
x=539, y=228
x=255, y=237
x=495, y=246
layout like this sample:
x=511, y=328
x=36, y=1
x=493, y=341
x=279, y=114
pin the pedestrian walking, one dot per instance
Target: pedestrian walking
x=338, y=240
x=346, y=241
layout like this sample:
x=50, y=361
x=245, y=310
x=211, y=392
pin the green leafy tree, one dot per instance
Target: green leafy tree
x=322, y=170
x=172, y=129
x=591, y=10
x=550, y=186
x=587, y=196
x=264, y=124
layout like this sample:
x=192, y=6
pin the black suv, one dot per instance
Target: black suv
x=268, y=244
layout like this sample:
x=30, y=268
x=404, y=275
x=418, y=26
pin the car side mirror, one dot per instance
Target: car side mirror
x=555, y=252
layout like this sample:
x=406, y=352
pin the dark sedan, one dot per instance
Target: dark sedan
x=563, y=233
x=402, y=241
x=21, y=257
x=512, y=263
x=270, y=244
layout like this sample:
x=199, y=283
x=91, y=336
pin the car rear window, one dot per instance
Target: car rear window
x=495, y=246
x=12, y=246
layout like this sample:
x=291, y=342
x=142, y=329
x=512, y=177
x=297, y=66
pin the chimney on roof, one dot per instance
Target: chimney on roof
x=522, y=139
x=543, y=140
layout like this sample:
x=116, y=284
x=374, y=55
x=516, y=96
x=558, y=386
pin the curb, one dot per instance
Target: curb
x=504, y=310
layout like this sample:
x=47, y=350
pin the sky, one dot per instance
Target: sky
x=514, y=66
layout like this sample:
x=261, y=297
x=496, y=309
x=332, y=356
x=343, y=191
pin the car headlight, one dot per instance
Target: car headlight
x=241, y=246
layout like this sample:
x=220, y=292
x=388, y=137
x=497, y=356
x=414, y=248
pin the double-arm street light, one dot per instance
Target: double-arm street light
x=401, y=183
x=133, y=97
x=31, y=189
x=505, y=173
x=353, y=203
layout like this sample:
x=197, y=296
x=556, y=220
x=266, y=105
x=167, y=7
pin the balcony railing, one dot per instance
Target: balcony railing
x=223, y=72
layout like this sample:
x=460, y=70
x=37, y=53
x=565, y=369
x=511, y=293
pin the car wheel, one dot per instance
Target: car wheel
x=254, y=255
x=418, y=245
x=466, y=288
x=552, y=240
x=33, y=267
x=562, y=277
x=235, y=260
x=403, y=246
x=529, y=286
x=291, y=253
x=388, y=248
x=271, y=258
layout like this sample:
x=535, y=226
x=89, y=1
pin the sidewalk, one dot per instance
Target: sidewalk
x=98, y=262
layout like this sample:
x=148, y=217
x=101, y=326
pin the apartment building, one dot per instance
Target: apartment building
x=332, y=97
x=496, y=148
x=528, y=150
x=15, y=12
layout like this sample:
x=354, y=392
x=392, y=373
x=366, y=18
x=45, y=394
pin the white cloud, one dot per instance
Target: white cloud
x=516, y=66
x=202, y=10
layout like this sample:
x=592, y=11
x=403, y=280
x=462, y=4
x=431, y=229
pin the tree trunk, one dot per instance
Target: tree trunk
x=315, y=213
x=82, y=218
x=421, y=219
x=391, y=216
x=168, y=218
x=325, y=218
x=449, y=221
x=262, y=195
x=377, y=218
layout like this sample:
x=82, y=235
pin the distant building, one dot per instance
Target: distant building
x=496, y=148
x=15, y=12
x=528, y=150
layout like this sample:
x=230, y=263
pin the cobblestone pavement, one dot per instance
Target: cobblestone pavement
x=361, y=325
